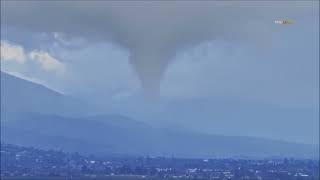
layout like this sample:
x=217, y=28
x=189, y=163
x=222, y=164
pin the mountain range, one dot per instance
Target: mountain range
x=34, y=115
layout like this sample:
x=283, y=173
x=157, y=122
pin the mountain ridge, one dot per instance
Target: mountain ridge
x=30, y=125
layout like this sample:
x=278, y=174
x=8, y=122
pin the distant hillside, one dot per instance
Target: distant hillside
x=107, y=135
x=22, y=96
x=33, y=115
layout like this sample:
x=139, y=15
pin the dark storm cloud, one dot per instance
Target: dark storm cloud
x=153, y=30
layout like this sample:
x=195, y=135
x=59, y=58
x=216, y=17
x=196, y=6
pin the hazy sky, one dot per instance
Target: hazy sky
x=190, y=56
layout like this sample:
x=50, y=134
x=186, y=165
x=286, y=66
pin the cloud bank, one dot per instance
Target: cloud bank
x=16, y=53
x=46, y=61
x=12, y=52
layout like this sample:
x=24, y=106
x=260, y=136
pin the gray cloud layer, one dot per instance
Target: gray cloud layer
x=153, y=31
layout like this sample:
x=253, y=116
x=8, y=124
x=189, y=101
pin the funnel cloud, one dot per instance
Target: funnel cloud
x=153, y=31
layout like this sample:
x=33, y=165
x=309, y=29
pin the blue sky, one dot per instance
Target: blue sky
x=209, y=59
